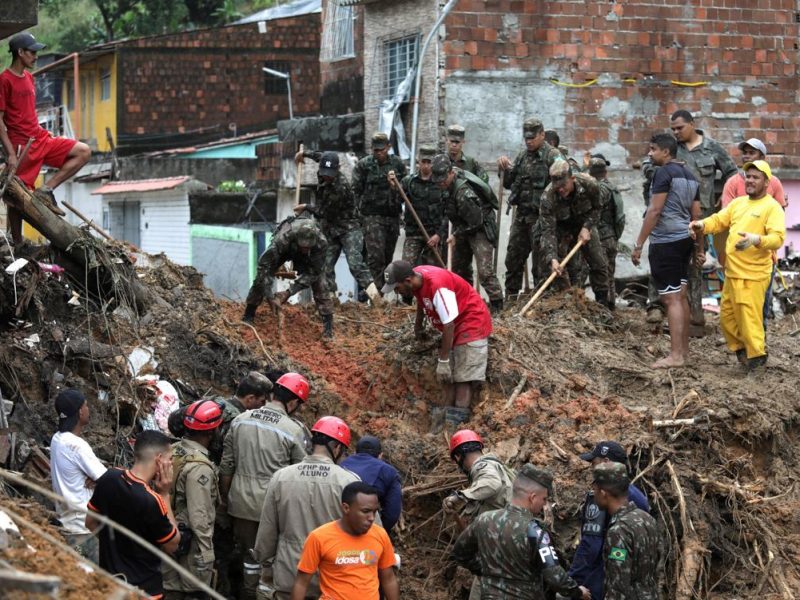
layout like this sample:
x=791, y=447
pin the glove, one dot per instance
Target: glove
x=453, y=502
x=374, y=294
x=748, y=239
x=443, y=372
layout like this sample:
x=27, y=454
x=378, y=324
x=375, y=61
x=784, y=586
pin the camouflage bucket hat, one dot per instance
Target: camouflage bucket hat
x=440, y=168
x=305, y=233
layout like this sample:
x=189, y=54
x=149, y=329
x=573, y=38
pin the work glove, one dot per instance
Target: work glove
x=374, y=294
x=748, y=239
x=454, y=502
x=443, y=372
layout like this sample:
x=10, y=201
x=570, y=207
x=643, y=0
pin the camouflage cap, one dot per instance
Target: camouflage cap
x=540, y=476
x=611, y=473
x=427, y=152
x=305, y=233
x=532, y=127
x=440, y=168
x=379, y=141
x=560, y=171
x=456, y=132
x=597, y=165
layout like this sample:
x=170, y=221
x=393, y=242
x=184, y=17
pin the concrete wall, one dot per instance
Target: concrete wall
x=211, y=171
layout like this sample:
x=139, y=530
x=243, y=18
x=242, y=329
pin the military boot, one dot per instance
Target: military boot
x=327, y=323
x=455, y=416
x=495, y=306
x=249, y=313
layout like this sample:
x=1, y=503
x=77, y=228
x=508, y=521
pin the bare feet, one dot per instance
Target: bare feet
x=669, y=362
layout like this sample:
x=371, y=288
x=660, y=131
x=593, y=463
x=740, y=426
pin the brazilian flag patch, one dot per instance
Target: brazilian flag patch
x=618, y=554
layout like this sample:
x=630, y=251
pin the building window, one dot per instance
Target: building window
x=338, y=41
x=105, y=84
x=275, y=85
x=400, y=55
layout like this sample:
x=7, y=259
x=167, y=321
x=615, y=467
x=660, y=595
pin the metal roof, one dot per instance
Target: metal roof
x=143, y=185
x=292, y=9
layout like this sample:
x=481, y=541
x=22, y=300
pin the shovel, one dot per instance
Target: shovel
x=550, y=279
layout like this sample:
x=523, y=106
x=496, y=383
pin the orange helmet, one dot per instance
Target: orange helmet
x=462, y=437
x=203, y=415
x=334, y=428
x=295, y=383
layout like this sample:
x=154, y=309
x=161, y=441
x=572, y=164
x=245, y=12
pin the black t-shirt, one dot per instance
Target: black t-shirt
x=123, y=497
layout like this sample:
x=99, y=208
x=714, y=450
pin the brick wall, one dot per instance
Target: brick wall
x=342, y=80
x=745, y=52
x=211, y=78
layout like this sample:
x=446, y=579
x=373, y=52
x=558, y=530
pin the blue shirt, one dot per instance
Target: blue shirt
x=384, y=478
x=587, y=564
x=681, y=188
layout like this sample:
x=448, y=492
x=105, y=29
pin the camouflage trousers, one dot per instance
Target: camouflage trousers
x=476, y=244
x=318, y=284
x=417, y=252
x=595, y=256
x=523, y=240
x=351, y=241
x=610, y=246
x=380, y=239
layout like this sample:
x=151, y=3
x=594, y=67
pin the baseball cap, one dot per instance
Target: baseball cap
x=328, y=164
x=305, y=233
x=531, y=128
x=24, y=41
x=440, y=168
x=608, y=449
x=427, y=152
x=369, y=444
x=456, y=132
x=754, y=143
x=68, y=404
x=379, y=141
x=762, y=166
x=612, y=473
x=395, y=273
x=540, y=476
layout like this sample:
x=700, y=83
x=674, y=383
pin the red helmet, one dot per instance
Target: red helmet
x=295, y=383
x=203, y=415
x=334, y=428
x=462, y=437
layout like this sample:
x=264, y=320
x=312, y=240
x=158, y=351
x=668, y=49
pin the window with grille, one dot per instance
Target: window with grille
x=400, y=56
x=338, y=40
x=105, y=84
x=276, y=85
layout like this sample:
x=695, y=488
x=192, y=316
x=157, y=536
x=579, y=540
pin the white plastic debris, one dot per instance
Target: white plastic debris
x=16, y=265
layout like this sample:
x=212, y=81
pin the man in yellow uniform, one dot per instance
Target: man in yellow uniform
x=757, y=228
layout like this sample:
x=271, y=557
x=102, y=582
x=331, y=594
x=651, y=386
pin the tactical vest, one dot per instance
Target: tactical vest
x=379, y=199
x=533, y=175
x=474, y=216
x=335, y=202
x=428, y=200
x=612, y=217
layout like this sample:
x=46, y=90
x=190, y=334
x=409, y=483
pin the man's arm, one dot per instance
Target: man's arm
x=775, y=226
x=618, y=565
x=724, y=162
x=465, y=551
x=729, y=191
x=162, y=483
x=267, y=537
x=448, y=333
x=389, y=584
x=200, y=504
x=227, y=466
x=91, y=523
x=11, y=154
x=300, y=587
x=358, y=180
x=393, y=504
x=597, y=200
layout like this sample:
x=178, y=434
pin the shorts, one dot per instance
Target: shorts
x=45, y=150
x=469, y=361
x=669, y=265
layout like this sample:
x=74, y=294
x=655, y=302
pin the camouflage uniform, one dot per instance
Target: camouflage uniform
x=703, y=161
x=562, y=219
x=632, y=548
x=428, y=200
x=612, y=223
x=464, y=162
x=576, y=168
x=649, y=171
x=527, y=179
x=512, y=553
x=474, y=222
x=284, y=247
x=335, y=207
x=380, y=207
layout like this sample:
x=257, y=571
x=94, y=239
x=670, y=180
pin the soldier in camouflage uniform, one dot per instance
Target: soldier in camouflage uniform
x=298, y=240
x=612, y=218
x=570, y=211
x=428, y=201
x=455, y=145
x=526, y=178
x=633, y=544
x=510, y=550
x=471, y=207
x=703, y=156
x=335, y=208
x=379, y=204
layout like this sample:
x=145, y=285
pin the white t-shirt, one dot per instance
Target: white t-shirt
x=71, y=462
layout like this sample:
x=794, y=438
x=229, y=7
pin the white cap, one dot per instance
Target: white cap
x=754, y=143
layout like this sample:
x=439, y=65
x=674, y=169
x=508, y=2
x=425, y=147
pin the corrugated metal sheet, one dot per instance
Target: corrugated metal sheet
x=164, y=225
x=141, y=185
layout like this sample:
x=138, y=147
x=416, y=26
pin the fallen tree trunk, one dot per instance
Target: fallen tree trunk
x=107, y=270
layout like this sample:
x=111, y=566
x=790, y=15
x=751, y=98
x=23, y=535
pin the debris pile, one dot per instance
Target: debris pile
x=715, y=449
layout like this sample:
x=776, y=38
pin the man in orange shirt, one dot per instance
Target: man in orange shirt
x=354, y=557
x=752, y=150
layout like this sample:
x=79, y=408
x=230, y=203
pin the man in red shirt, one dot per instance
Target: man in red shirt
x=20, y=123
x=453, y=307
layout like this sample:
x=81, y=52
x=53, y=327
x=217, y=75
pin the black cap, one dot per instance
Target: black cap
x=329, y=164
x=603, y=158
x=369, y=444
x=68, y=405
x=608, y=449
x=395, y=273
x=24, y=41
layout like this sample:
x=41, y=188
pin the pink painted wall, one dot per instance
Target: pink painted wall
x=791, y=188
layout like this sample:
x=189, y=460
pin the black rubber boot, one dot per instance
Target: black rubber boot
x=495, y=306
x=327, y=322
x=249, y=313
